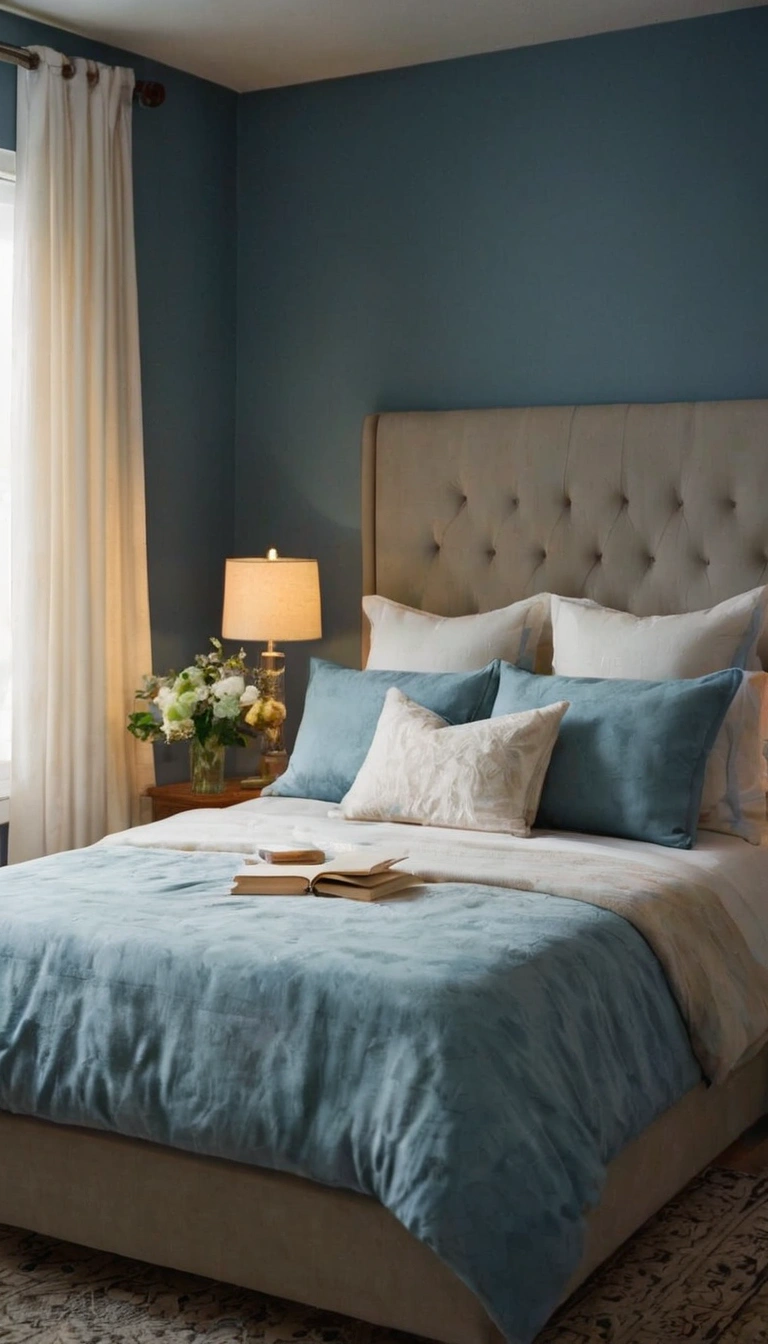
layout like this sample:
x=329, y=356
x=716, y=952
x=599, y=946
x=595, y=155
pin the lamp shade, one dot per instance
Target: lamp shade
x=271, y=598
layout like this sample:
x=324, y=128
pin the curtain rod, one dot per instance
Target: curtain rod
x=146, y=92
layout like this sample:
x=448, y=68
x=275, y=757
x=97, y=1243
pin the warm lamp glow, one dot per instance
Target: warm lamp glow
x=271, y=598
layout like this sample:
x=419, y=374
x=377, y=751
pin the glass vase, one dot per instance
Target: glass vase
x=206, y=766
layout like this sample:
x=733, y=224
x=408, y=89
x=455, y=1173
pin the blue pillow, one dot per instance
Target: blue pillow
x=342, y=709
x=631, y=755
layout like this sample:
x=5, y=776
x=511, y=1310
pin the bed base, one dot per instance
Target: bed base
x=330, y=1248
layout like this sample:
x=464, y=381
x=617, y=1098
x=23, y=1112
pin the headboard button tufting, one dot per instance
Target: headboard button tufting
x=548, y=482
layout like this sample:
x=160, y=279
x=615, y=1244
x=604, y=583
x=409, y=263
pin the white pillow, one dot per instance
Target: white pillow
x=733, y=797
x=404, y=639
x=482, y=776
x=594, y=641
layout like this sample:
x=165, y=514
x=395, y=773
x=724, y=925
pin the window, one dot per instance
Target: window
x=7, y=188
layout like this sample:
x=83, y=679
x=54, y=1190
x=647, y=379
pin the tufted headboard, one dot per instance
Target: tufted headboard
x=647, y=508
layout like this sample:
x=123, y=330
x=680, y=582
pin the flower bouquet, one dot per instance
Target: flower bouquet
x=211, y=704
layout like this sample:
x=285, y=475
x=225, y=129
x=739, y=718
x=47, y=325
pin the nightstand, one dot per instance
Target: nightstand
x=168, y=799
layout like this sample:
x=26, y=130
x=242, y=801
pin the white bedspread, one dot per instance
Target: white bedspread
x=737, y=871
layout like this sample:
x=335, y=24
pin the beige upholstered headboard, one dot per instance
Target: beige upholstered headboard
x=648, y=508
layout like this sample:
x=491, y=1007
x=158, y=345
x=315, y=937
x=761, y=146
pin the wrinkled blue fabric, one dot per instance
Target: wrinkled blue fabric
x=471, y=1057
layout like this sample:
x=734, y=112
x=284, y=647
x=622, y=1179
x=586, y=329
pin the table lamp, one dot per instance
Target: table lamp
x=270, y=598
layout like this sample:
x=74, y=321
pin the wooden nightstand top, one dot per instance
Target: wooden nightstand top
x=168, y=799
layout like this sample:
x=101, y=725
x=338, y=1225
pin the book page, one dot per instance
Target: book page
x=354, y=862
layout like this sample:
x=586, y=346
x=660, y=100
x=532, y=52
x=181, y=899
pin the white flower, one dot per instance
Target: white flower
x=227, y=706
x=191, y=683
x=189, y=677
x=164, y=697
x=186, y=704
x=250, y=696
x=229, y=686
x=178, y=709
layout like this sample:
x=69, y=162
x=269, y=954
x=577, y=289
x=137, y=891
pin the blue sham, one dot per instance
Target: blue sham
x=631, y=755
x=342, y=709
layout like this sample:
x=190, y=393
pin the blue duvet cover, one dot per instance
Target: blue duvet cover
x=471, y=1057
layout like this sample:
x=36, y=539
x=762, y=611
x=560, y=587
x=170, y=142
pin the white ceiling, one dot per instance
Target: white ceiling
x=256, y=44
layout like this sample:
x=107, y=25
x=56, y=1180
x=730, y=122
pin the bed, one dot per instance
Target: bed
x=645, y=508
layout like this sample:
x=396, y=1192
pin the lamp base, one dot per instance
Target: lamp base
x=272, y=764
x=267, y=717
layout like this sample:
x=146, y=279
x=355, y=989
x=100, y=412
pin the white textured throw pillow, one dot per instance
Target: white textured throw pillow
x=482, y=776
x=594, y=641
x=404, y=639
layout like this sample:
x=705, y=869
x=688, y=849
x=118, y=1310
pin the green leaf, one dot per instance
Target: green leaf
x=144, y=726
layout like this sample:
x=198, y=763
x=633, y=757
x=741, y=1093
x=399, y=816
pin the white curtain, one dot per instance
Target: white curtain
x=7, y=189
x=80, y=605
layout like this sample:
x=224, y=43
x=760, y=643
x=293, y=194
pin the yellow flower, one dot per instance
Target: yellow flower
x=253, y=717
x=274, y=712
x=266, y=713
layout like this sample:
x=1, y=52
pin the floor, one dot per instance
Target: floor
x=697, y=1273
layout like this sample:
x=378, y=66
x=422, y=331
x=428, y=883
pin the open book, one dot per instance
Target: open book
x=360, y=875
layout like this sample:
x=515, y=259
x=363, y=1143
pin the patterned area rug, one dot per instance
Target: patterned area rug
x=698, y=1273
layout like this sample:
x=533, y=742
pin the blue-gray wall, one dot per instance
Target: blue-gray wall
x=585, y=221
x=186, y=234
